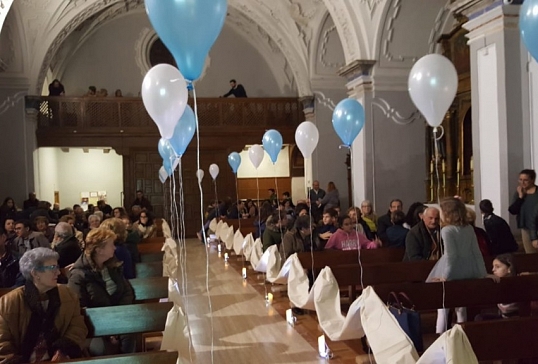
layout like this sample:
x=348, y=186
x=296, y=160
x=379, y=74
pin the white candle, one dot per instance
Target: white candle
x=269, y=297
x=220, y=254
x=244, y=273
x=219, y=247
x=290, y=319
x=322, y=347
x=226, y=257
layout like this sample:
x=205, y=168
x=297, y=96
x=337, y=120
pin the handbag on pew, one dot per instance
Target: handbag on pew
x=407, y=317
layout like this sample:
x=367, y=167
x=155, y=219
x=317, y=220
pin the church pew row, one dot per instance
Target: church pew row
x=145, y=289
x=150, y=250
x=464, y=293
x=151, y=357
x=148, y=270
x=507, y=339
x=331, y=257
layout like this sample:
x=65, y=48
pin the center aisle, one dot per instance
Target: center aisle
x=244, y=329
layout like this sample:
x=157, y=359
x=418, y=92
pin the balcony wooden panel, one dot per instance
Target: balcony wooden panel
x=90, y=115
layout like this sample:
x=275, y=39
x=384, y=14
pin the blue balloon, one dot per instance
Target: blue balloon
x=234, y=160
x=528, y=25
x=183, y=132
x=168, y=167
x=166, y=151
x=348, y=120
x=272, y=143
x=188, y=28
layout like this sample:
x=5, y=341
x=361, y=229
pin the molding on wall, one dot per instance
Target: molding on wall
x=323, y=49
x=142, y=45
x=324, y=100
x=393, y=114
x=11, y=101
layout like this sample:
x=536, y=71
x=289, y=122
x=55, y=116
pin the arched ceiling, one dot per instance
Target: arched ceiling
x=365, y=28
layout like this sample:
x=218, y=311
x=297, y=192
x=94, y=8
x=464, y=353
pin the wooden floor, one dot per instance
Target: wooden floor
x=245, y=330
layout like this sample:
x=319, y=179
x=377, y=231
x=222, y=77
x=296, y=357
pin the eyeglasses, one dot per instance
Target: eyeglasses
x=143, y=217
x=49, y=268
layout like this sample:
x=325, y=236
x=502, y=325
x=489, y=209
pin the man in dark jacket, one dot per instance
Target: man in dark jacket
x=236, y=90
x=9, y=266
x=66, y=244
x=142, y=201
x=384, y=222
x=423, y=242
x=28, y=239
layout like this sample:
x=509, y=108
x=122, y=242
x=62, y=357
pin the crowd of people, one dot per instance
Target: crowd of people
x=58, y=261
x=57, y=89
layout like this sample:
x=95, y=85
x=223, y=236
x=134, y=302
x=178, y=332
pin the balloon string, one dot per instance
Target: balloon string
x=311, y=218
x=237, y=196
x=202, y=220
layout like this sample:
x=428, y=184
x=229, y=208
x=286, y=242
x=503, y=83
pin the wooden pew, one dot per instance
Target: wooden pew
x=507, y=339
x=149, y=270
x=332, y=258
x=247, y=225
x=464, y=293
x=150, y=288
x=150, y=357
x=126, y=319
x=150, y=250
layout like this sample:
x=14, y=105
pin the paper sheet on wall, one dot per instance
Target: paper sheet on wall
x=327, y=301
x=451, y=347
x=238, y=242
x=388, y=341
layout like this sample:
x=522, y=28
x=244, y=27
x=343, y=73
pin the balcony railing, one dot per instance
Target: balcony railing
x=91, y=113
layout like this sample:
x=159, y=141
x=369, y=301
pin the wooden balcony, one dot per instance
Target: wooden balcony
x=85, y=114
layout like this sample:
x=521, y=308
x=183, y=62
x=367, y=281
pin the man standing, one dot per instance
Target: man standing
x=237, y=90
x=423, y=242
x=31, y=202
x=384, y=222
x=316, y=195
x=142, y=201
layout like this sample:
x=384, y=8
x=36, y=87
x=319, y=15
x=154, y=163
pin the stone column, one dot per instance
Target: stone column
x=496, y=75
x=360, y=87
x=309, y=108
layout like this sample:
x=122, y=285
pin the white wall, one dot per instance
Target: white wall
x=107, y=60
x=75, y=171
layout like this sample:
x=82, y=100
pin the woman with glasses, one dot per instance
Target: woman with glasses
x=97, y=278
x=40, y=321
x=150, y=227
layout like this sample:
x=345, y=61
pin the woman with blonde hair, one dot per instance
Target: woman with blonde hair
x=461, y=259
x=97, y=278
x=122, y=252
x=332, y=197
x=368, y=215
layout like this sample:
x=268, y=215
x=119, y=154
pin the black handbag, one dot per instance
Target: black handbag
x=407, y=317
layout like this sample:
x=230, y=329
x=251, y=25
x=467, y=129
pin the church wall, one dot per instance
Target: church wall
x=398, y=154
x=107, y=60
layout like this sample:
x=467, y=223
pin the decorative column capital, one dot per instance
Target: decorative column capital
x=308, y=107
x=357, y=68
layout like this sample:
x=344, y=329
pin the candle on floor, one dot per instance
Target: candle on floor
x=290, y=319
x=244, y=273
x=226, y=257
x=219, y=247
x=323, y=349
x=220, y=254
x=270, y=298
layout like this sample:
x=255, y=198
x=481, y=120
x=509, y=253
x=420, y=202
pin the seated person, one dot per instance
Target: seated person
x=368, y=215
x=274, y=230
x=28, y=239
x=41, y=321
x=66, y=244
x=286, y=198
x=298, y=239
x=122, y=253
x=237, y=211
x=9, y=265
x=347, y=238
x=481, y=235
x=356, y=219
x=327, y=227
x=97, y=278
x=148, y=226
x=397, y=233
x=92, y=91
x=503, y=266
x=41, y=224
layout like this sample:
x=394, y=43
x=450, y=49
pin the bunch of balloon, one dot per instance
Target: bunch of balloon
x=348, y=121
x=528, y=26
x=306, y=139
x=272, y=143
x=214, y=172
x=433, y=83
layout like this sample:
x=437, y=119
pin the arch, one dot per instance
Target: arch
x=281, y=32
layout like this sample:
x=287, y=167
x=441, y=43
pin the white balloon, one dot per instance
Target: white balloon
x=200, y=175
x=433, y=83
x=255, y=154
x=306, y=138
x=214, y=171
x=164, y=93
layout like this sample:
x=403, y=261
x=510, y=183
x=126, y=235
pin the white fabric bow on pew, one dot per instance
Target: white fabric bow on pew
x=170, y=259
x=451, y=347
x=256, y=253
x=298, y=286
x=248, y=243
x=227, y=237
x=213, y=226
x=238, y=242
x=218, y=230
